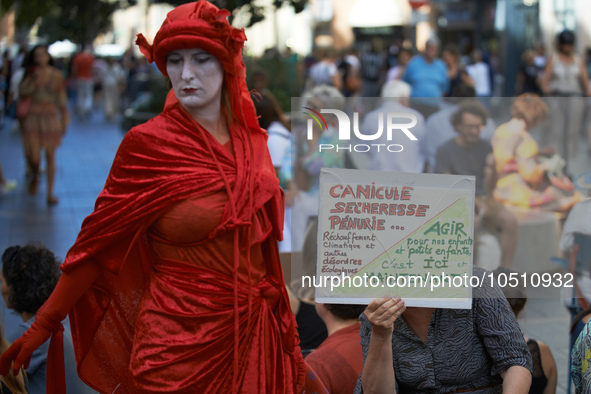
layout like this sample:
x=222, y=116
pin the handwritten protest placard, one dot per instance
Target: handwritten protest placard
x=386, y=233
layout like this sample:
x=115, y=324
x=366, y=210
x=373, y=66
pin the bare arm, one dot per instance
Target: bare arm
x=65, y=119
x=28, y=86
x=490, y=173
x=545, y=82
x=378, y=370
x=516, y=380
x=63, y=102
x=294, y=302
x=549, y=368
x=337, y=81
x=585, y=79
x=467, y=79
x=519, y=79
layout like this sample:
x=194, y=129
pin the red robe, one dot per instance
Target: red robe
x=159, y=164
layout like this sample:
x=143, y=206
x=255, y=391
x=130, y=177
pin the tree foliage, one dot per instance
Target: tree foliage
x=81, y=21
x=255, y=12
x=78, y=21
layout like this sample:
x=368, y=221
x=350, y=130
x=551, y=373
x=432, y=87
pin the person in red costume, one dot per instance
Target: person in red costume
x=174, y=283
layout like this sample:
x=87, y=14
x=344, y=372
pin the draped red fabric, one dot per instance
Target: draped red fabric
x=159, y=164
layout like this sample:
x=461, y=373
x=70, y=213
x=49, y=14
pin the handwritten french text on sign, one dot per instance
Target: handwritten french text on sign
x=385, y=233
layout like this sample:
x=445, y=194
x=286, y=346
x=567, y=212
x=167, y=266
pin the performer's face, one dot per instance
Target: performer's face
x=4, y=289
x=196, y=78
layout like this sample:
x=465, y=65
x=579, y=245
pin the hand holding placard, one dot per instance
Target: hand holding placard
x=393, y=232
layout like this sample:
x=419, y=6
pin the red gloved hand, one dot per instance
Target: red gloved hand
x=22, y=349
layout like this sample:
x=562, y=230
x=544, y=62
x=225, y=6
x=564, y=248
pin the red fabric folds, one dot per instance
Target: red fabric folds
x=247, y=331
x=181, y=289
x=159, y=164
x=56, y=372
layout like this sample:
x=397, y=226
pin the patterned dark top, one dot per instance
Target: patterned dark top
x=465, y=349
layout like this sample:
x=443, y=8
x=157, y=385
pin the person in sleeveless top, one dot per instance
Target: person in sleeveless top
x=461, y=83
x=47, y=119
x=174, y=283
x=565, y=78
x=544, y=376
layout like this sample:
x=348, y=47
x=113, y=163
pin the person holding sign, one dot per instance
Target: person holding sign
x=436, y=350
x=468, y=154
x=174, y=283
x=545, y=375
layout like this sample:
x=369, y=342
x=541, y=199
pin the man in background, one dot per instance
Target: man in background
x=468, y=154
x=83, y=78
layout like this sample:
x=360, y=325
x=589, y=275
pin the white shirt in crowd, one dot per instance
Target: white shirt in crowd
x=279, y=140
x=578, y=221
x=480, y=73
x=322, y=72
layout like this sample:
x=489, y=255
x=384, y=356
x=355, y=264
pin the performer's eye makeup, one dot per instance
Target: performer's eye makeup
x=201, y=57
x=173, y=59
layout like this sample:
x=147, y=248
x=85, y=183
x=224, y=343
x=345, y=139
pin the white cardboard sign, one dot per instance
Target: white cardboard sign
x=387, y=233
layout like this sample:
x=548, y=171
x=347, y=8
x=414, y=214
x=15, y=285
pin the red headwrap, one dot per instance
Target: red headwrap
x=203, y=25
x=196, y=25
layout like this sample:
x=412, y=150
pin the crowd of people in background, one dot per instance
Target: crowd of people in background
x=520, y=161
x=441, y=87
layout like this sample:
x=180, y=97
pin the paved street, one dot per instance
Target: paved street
x=84, y=160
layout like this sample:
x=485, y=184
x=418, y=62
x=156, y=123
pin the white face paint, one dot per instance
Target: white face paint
x=196, y=78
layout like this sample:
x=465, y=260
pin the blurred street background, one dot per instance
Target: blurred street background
x=287, y=37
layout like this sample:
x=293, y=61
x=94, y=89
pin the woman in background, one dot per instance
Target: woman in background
x=460, y=83
x=527, y=78
x=545, y=375
x=565, y=78
x=47, y=118
x=439, y=350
